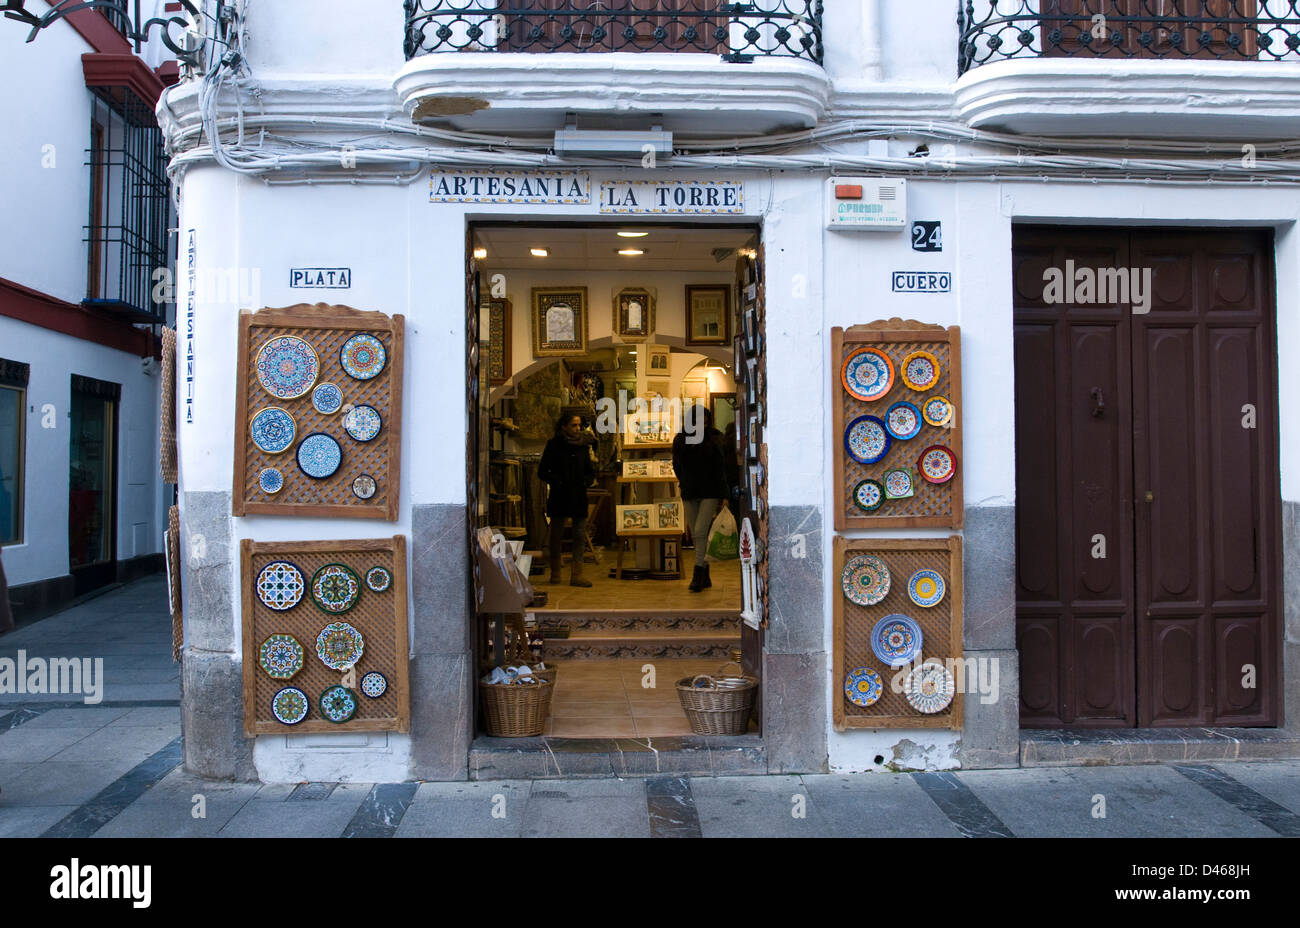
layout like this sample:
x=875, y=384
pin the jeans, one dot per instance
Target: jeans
x=700, y=514
x=579, y=538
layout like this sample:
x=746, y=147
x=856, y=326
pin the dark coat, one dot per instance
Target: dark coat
x=701, y=467
x=567, y=469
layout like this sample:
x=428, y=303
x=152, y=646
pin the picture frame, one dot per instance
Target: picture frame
x=753, y=438
x=708, y=314
x=751, y=332
x=559, y=321
x=665, y=469
x=670, y=515
x=634, y=314
x=657, y=388
x=638, y=469
x=635, y=519
x=658, y=362
x=498, y=356
x=738, y=358
x=751, y=388
x=670, y=565
x=669, y=548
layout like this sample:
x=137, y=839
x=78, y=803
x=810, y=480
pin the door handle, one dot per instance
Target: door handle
x=1149, y=497
x=1098, y=402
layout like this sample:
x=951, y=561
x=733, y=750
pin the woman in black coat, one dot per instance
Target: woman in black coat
x=700, y=463
x=567, y=469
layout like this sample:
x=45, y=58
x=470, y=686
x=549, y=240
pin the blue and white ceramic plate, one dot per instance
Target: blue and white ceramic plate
x=272, y=430
x=335, y=588
x=327, y=398
x=929, y=688
x=867, y=374
x=378, y=579
x=865, y=579
x=926, y=588
x=287, y=367
x=866, y=440
x=319, y=455
x=339, y=646
x=374, y=684
x=903, y=421
x=290, y=705
x=362, y=422
x=280, y=585
x=338, y=704
x=270, y=480
x=896, y=640
x=863, y=686
x=363, y=356
x=868, y=495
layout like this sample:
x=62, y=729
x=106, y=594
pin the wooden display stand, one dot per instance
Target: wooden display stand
x=501, y=600
x=627, y=484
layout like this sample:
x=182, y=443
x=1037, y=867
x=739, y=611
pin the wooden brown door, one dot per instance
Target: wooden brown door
x=1146, y=481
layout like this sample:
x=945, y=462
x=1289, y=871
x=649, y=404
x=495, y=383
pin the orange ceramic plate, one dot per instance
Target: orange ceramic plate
x=867, y=374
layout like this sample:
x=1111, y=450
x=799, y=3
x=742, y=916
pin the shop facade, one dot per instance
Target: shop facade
x=1143, y=633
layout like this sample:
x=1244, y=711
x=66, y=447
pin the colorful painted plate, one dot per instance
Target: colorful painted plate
x=270, y=480
x=363, y=487
x=903, y=420
x=937, y=464
x=280, y=585
x=920, y=371
x=374, y=684
x=929, y=688
x=290, y=705
x=867, y=374
x=378, y=579
x=339, y=646
x=319, y=455
x=362, y=422
x=363, y=356
x=281, y=656
x=335, y=588
x=272, y=430
x=926, y=588
x=327, y=398
x=865, y=579
x=896, y=640
x=863, y=686
x=287, y=367
x=937, y=411
x=866, y=440
x=338, y=704
x=868, y=495
x=899, y=484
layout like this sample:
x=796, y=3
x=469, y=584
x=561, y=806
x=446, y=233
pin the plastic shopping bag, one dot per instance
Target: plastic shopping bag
x=724, y=538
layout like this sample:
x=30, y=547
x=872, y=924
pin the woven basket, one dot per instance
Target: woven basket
x=721, y=707
x=548, y=675
x=516, y=710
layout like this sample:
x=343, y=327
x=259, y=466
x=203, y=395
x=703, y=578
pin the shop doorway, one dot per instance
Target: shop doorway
x=1147, y=495
x=630, y=328
x=92, y=483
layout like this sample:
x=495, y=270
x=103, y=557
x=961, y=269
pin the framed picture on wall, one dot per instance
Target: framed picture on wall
x=738, y=358
x=708, y=314
x=559, y=321
x=499, y=318
x=657, y=360
x=634, y=314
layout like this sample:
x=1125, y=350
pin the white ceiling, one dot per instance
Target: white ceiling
x=596, y=249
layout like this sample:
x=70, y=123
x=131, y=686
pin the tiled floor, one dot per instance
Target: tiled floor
x=608, y=593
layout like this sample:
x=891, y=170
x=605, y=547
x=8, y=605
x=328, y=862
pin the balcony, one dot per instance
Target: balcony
x=693, y=66
x=1163, y=68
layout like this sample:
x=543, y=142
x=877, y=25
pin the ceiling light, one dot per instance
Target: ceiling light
x=633, y=234
x=539, y=252
x=480, y=253
x=631, y=252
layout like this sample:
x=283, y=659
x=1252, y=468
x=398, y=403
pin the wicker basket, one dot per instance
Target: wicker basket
x=550, y=675
x=721, y=706
x=516, y=710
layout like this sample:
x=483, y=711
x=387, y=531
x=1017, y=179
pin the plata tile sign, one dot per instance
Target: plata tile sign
x=320, y=278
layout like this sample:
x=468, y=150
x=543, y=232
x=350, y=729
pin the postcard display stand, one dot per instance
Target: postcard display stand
x=941, y=630
x=325, y=328
x=380, y=617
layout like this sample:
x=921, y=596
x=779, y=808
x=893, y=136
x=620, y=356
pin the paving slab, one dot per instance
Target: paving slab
x=52, y=783
x=1278, y=781
x=30, y=821
x=36, y=745
x=876, y=805
x=755, y=807
x=291, y=819
x=94, y=717
x=465, y=818
x=174, y=816
x=133, y=743
x=587, y=817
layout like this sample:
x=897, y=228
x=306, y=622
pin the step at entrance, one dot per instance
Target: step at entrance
x=707, y=633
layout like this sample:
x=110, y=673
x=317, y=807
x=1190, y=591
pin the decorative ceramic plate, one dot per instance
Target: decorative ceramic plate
x=896, y=640
x=270, y=480
x=937, y=464
x=327, y=398
x=926, y=588
x=899, y=484
x=281, y=656
x=339, y=646
x=290, y=705
x=280, y=585
x=867, y=374
x=374, y=684
x=363, y=356
x=863, y=686
x=287, y=367
x=362, y=422
x=319, y=455
x=363, y=487
x=379, y=579
x=338, y=704
x=868, y=495
x=937, y=411
x=866, y=440
x=920, y=371
x=865, y=579
x=272, y=430
x=335, y=588
x=903, y=421
x=929, y=688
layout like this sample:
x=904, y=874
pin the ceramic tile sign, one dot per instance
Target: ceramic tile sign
x=320, y=278
x=921, y=282
x=510, y=186
x=707, y=197
x=927, y=236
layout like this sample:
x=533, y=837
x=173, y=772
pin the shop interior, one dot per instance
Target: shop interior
x=630, y=327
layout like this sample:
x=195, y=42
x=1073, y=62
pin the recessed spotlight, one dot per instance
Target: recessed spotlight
x=480, y=253
x=633, y=234
x=630, y=252
x=539, y=252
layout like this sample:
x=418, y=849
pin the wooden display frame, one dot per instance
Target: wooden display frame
x=853, y=623
x=325, y=327
x=384, y=631
x=932, y=505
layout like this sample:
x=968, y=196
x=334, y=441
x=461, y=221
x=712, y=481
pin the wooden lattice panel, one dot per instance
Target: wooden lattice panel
x=933, y=505
x=380, y=617
x=173, y=560
x=325, y=328
x=941, y=629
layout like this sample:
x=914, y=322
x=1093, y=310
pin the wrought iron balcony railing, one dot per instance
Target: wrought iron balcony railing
x=736, y=31
x=1241, y=30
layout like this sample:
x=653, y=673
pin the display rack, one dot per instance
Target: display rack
x=628, y=485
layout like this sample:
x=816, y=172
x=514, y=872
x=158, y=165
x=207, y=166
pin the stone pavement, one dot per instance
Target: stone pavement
x=113, y=769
